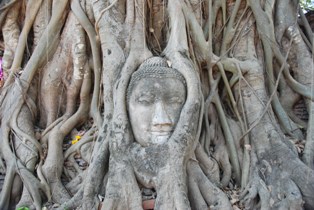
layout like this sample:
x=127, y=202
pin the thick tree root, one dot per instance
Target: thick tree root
x=30, y=182
x=208, y=164
x=278, y=191
x=53, y=168
x=26, y=201
x=11, y=34
x=190, y=178
x=203, y=194
x=122, y=191
x=256, y=187
x=214, y=136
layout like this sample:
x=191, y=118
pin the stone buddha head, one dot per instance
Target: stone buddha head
x=155, y=97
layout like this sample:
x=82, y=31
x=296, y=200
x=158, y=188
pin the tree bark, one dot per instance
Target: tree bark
x=245, y=128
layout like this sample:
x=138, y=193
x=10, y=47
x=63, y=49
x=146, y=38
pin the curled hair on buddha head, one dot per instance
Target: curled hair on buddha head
x=154, y=67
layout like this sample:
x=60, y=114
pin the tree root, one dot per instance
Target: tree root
x=74, y=202
x=274, y=188
x=6, y=188
x=208, y=164
x=202, y=192
x=220, y=153
x=41, y=21
x=88, y=27
x=122, y=191
x=222, y=157
x=190, y=178
x=75, y=185
x=256, y=186
x=11, y=34
x=30, y=182
x=304, y=74
x=98, y=166
x=32, y=8
x=113, y=60
x=23, y=156
x=26, y=201
x=52, y=166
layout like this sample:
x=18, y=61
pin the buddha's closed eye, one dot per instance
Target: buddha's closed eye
x=146, y=99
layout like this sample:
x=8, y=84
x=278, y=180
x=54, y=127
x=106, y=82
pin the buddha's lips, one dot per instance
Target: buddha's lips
x=161, y=133
x=161, y=130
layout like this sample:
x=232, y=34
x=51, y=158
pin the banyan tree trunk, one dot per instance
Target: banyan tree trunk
x=245, y=134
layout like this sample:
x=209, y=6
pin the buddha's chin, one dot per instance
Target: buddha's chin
x=160, y=139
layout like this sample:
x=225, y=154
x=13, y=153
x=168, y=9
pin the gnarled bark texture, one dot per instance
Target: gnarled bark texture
x=245, y=133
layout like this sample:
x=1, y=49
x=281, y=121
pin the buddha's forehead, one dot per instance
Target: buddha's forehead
x=159, y=87
x=155, y=67
x=150, y=77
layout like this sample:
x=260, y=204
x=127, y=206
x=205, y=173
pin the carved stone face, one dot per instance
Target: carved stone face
x=154, y=109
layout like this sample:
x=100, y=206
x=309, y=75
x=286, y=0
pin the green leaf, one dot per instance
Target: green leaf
x=22, y=208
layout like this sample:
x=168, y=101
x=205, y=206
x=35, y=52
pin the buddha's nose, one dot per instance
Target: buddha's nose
x=161, y=117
